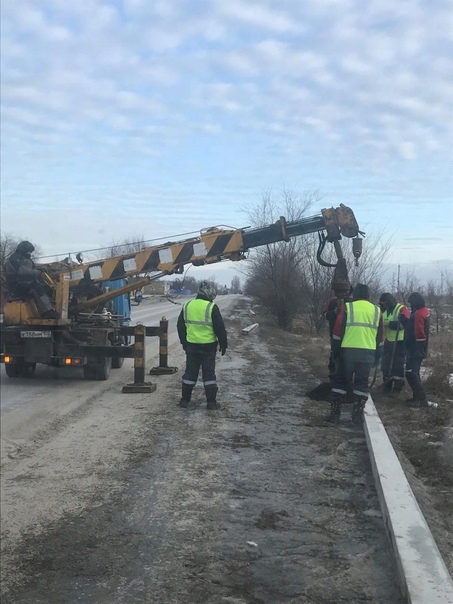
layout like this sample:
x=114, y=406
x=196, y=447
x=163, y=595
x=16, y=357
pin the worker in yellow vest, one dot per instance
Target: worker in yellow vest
x=357, y=344
x=395, y=317
x=201, y=331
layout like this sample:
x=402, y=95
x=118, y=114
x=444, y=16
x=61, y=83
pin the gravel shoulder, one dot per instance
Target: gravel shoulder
x=130, y=499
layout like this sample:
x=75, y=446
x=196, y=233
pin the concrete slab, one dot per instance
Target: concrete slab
x=423, y=575
x=250, y=328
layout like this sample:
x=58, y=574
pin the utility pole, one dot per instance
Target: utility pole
x=398, y=279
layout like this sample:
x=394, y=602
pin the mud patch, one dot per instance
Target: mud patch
x=270, y=520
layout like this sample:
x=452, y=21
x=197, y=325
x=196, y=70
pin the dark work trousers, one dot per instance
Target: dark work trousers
x=332, y=366
x=393, y=370
x=413, y=364
x=206, y=360
x=37, y=291
x=351, y=370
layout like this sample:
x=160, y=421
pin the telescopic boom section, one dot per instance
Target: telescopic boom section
x=213, y=245
x=336, y=222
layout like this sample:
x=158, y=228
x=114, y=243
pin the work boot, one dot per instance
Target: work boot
x=413, y=385
x=186, y=395
x=357, y=411
x=335, y=411
x=211, y=393
x=418, y=403
x=398, y=386
x=419, y=393
x=387, y=387
x=45, y=307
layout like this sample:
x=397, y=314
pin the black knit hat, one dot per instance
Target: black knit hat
x=25, y=247
x=387, y=298
x=361, y=292
x=416, y=300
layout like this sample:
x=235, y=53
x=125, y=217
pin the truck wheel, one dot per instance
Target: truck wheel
x=117, y=363
x=20, y=369
x=103, y=369
x=88, y=372
x=98, y=371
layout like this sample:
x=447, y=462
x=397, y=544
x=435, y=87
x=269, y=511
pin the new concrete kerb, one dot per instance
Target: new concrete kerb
x=250, y=328
x=423, y=575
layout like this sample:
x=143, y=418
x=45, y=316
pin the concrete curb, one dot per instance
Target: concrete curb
x=423, y=575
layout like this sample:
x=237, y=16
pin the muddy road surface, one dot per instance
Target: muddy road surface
x=126, y=498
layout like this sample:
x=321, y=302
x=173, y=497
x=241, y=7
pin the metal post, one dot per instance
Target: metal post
x=139, y=384
x=163, y=367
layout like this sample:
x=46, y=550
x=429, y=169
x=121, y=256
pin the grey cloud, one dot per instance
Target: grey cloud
x=341, y=82
x=256, y=14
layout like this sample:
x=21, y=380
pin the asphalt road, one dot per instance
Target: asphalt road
x=110, y=498
x=49, y=385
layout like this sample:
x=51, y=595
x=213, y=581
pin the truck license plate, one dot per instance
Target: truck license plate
x=35, y=334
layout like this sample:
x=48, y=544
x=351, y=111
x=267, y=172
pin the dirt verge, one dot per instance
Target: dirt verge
x=422, y=439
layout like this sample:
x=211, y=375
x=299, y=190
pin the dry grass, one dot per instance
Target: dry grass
x=439, y=365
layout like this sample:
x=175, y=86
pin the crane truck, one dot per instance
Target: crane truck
x=86, y=334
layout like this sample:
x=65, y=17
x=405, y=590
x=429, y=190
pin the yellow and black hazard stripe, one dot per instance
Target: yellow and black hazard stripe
x=212, y=246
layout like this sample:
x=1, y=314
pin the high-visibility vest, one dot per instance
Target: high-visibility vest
x=390, y=334
x=198, y=319
x=362, y=322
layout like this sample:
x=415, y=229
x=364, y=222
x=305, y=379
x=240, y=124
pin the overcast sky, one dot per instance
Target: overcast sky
x=161, y=117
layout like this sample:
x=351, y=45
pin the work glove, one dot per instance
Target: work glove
x=393, y=325
x=222, y=350
x=41, y=275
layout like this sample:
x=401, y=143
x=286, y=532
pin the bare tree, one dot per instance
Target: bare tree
x=370, y=267
x=235, y=285
x=447, y=287
x=130, y=245
x=8, y=244
x=186, y=282
x=408, y=283
x=317, y=281
x=275, y=272
x=435, y=301
x=288, y=278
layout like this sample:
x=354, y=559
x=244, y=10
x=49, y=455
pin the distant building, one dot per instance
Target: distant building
x=180, y=292
x=157, y=288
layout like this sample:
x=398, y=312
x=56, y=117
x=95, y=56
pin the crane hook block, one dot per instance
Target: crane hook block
x=340, y=221
x=340, y=282
x=357, y=247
